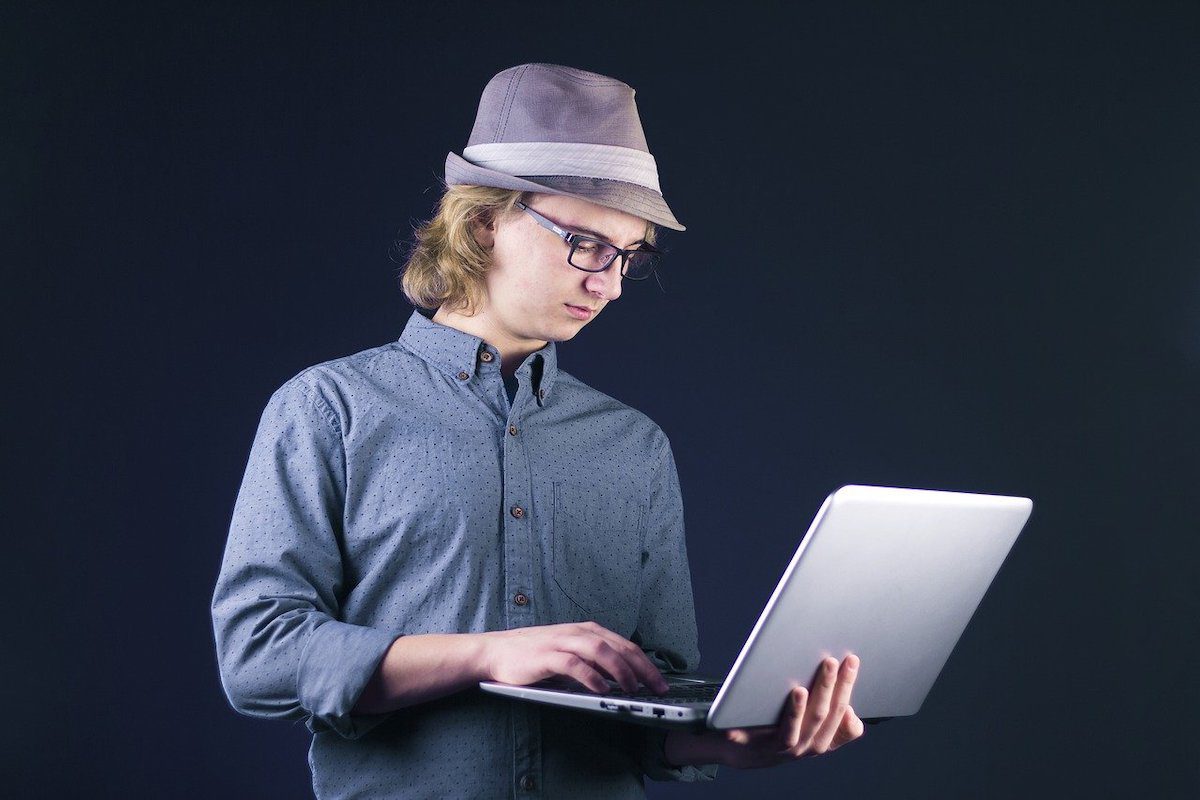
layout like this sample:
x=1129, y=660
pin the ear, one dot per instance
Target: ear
x=484, y=231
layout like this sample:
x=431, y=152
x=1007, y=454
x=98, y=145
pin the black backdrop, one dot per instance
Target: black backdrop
x=931, y=245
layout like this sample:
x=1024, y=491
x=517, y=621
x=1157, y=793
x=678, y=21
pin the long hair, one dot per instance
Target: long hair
x=445, y=265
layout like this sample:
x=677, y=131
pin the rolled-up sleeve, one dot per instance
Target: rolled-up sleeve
x=281, y=649
x=666, y=628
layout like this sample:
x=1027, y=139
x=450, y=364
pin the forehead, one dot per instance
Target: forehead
x=614, y=226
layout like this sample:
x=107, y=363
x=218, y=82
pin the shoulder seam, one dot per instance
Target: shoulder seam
x=318, y=404
x=323, y=408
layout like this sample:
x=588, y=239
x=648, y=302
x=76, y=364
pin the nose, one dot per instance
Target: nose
x=605, y=285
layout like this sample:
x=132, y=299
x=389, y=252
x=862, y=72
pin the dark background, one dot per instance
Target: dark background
x=934, y=245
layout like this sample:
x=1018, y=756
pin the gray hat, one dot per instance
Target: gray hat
x=560, y=130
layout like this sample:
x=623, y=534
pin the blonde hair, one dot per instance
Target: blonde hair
x=445, y=264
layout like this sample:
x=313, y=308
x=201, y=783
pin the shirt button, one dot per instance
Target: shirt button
x=520, y=599
x=527, y=782
x=486, y=356
x=541, y=394
x=517, y=512
x=512, y=430
x=462, y=376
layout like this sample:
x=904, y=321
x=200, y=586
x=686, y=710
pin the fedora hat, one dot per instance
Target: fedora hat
x=559, y=130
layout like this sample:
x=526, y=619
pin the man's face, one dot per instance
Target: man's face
x=530, y=285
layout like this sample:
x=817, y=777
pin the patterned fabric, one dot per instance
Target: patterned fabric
x=399, y=491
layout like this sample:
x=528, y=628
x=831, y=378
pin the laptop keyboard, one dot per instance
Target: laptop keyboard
x=696, y=693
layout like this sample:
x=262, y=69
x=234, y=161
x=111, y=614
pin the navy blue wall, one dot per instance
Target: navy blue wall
x=940, y=246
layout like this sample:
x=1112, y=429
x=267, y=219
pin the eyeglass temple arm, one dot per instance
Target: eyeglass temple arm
x=545, y=223
x=566, y=236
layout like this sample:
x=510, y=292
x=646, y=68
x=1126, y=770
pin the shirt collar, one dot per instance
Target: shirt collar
x=456, y=353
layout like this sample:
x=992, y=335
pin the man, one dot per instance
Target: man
x=453, y=507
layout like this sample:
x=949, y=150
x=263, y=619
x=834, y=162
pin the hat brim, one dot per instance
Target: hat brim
x=620, y=195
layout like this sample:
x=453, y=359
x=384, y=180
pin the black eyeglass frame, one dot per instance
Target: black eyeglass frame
x=575, y=239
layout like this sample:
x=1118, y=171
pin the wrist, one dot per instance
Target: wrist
x=688, y=748
x=481, y=656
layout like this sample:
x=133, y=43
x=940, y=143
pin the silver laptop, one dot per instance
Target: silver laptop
x=892, y=575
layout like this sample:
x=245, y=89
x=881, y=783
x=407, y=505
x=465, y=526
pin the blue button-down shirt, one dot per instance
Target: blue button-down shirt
x=381, y=499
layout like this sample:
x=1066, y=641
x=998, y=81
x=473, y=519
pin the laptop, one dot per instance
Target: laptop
x=893, y=575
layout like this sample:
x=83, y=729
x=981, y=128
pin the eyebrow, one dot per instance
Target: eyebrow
x=599, y=235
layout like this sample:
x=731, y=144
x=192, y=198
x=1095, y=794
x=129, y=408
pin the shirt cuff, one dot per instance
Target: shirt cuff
x=657, y=768
x=337, y=662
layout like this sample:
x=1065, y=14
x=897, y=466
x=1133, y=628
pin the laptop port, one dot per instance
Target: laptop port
x=637, y=709
x=658, y=712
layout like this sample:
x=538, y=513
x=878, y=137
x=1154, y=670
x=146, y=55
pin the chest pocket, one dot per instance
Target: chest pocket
x=597, y=558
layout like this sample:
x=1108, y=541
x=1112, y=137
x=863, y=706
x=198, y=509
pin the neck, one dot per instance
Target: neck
x=513, y=349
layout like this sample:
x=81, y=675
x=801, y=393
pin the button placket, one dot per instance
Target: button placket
x=527, y=743
x=519, y=556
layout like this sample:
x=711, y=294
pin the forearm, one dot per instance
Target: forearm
x=423, y=667
x=683, y=748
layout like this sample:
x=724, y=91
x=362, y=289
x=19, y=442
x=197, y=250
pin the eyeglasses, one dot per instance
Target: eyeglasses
x=593, y=255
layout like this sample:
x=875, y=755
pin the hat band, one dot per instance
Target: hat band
x=567, y=158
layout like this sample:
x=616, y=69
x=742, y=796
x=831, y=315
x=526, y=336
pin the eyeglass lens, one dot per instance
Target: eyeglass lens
x=595, y=256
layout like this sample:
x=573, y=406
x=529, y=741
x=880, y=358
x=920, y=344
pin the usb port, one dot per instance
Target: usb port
x=638, y=709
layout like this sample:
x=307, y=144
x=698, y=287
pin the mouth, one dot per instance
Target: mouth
x=580, y=312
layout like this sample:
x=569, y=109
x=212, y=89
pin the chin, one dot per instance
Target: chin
x=567, y=332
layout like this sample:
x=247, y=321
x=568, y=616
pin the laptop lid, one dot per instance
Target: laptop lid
x=893, y=575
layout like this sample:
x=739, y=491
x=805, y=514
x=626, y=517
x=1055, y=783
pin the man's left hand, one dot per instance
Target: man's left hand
x=811, y=723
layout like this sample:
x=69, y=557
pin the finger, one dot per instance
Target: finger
x=850, y=729
x=605, y=657
x=575, y=667
x=760, y=736
x=639, y=662
x=642, y=666
x=738, y=736
x=838, y=703
x=791, y=719
x=818, y=700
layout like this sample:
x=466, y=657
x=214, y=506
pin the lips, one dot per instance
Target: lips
x=579, y=312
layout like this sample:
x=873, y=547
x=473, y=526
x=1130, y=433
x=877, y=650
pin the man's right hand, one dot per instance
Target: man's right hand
x=583, y=651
